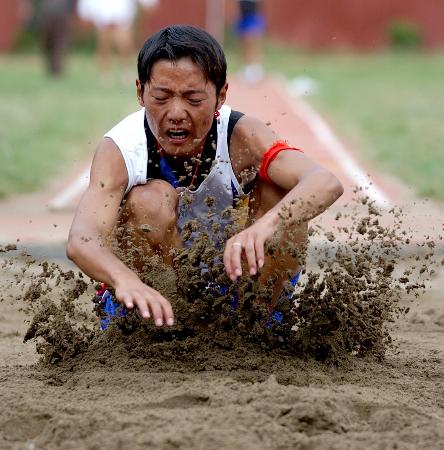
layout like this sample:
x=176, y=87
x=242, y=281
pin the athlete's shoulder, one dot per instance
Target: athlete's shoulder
x=130, y=139
x=129, y=133
x=251, y=132
x=132, y=123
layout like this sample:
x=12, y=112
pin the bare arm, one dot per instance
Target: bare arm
x=92, y=226
x=311, y=187
x=310, y=190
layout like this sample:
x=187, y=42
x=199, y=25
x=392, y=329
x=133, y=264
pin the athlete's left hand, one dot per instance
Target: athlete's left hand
x=252, y=242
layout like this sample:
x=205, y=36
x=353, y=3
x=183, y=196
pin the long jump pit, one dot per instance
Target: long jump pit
x=356, y=362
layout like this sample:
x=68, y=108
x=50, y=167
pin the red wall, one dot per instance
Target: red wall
x=9, y=23
x=168, y=12
x=360, y=24
x=351, y=23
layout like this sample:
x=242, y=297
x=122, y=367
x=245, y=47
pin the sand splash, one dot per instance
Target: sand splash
x=343, y=306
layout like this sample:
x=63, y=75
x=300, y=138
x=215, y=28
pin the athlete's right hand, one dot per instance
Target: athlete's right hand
x=132, y=292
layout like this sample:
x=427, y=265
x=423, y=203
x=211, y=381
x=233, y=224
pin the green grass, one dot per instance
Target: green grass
x=388, y=107
x=46, y=124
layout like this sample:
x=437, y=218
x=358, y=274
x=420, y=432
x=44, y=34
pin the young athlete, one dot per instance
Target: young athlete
x=157, y=168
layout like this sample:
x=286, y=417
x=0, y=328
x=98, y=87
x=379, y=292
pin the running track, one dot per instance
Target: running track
x=44, y=218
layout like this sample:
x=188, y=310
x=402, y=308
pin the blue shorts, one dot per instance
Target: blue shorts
x=107, y=307
x=250, y=24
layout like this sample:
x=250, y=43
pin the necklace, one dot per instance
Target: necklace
x=168, y=172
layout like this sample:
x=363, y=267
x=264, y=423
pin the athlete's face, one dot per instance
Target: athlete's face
x=180, y=105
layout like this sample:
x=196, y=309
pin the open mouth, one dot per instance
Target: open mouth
x=178, y=134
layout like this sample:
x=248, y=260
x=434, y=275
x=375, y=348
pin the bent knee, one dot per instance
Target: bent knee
x=155, y=202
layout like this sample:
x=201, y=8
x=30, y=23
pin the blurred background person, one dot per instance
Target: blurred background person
x=54, y=22
x=250, y=28
x=113, y=20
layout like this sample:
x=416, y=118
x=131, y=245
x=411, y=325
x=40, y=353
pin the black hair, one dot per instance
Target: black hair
x=181, y=41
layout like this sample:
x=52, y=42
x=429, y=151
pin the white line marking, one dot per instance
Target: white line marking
x=73, y=190
x=333, y=145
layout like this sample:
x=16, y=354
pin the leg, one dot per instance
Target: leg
x=147, y=224
x=251, y=29
x=104, y=44
x=59, y=44
x=123, y=37
x=146, y=227
x=123, y=41
x=252, y=49
x=46, y=43
x=253, y=71
x=288, y=249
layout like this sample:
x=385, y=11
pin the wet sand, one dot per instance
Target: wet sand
x=131, y=388
x=261, y=401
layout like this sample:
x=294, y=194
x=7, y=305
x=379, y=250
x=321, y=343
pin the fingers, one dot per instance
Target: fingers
x=126, y=299
x=253, y=246
x=161, y=309
x=259, y=245
x=250, y=252
x=149, y=304
x=168, y=313
x=142, y=306
x=156, y=309
x=227, y=261
x=235, y=260
x=232, y=259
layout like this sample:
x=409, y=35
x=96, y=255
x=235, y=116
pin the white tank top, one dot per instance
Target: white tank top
x=207, y=203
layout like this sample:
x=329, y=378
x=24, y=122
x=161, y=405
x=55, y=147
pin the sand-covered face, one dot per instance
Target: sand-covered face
x=180, y=105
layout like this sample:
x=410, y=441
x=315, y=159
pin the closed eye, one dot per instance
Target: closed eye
x=195, y=101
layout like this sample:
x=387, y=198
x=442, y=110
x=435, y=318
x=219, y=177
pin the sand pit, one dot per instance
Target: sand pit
x=373, y=382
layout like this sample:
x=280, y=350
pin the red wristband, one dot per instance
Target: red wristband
x=270, y=155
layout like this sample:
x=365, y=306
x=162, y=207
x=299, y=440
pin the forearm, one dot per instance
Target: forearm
x=312, y=196
x=97, y=260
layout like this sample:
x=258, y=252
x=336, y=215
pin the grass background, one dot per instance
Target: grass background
x=389, y=107
x=46, y=124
